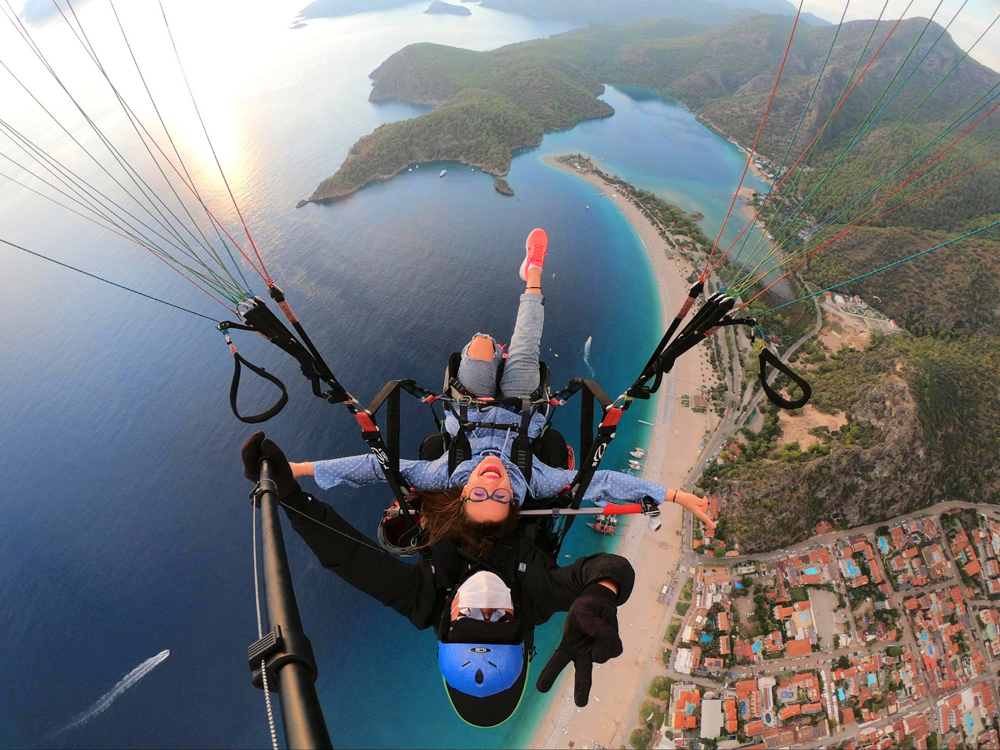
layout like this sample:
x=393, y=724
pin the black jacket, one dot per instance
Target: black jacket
x=540, y=588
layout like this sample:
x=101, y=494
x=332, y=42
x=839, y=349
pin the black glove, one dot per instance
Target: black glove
x=257, y=447
x=590, y=635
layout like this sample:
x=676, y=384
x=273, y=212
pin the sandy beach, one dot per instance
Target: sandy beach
x=672, y=452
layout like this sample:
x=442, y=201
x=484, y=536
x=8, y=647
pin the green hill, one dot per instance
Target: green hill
x=921, y=427
x=724, y=73
x=492, y=123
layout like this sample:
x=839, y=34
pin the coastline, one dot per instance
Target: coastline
x=655, y=556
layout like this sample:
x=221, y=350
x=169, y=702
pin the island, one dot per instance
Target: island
x=501, y=186
x=438, y=7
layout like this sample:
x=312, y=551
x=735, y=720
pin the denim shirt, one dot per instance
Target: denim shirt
x=546, y=481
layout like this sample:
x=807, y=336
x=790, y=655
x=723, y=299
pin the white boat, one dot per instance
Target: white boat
x=443, y=173
x=634, y=464
x=588, y=208
x=411, y=169
x=638, y=453
x=418, y=166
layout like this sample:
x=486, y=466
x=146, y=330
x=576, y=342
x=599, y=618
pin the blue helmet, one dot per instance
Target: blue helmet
x=480, y=669
x=485, y=668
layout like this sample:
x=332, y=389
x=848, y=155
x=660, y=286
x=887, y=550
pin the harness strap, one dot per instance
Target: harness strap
x=460, y=449
x=520, y=452
x=235, y=387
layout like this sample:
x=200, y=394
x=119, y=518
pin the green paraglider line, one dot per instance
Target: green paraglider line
x=798, y=128
x=886, y=267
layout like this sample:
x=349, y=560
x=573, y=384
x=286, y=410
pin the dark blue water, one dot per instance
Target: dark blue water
x=126, y=528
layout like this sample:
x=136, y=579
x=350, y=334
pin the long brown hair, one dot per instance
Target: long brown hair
x=443, y=516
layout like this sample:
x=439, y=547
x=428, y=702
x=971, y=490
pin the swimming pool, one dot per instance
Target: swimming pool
x=811, y=571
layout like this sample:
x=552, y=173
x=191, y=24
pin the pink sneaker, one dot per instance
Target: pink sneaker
x=535, y=247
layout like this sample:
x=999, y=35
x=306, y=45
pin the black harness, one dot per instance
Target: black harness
x=522, y=448
x=713, y=315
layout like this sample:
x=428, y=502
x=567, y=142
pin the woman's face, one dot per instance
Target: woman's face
x=491, y=476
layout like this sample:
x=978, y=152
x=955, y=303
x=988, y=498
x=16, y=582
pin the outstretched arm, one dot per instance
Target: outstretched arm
x=361, y=471
x=342, y=549
x=409, y=589
x=547, y=481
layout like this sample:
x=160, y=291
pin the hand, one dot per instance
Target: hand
x=257, y=447
x=697, y=506
x=590, y=634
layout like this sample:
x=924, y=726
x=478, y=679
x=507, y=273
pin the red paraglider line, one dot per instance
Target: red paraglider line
x=753, y=149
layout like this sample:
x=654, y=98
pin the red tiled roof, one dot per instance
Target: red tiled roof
x=789, y=711
x=798, y=647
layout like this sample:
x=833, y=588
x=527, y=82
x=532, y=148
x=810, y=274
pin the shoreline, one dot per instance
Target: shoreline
x=655, y=556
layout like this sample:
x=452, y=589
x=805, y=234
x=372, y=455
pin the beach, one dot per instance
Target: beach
x=672, y=452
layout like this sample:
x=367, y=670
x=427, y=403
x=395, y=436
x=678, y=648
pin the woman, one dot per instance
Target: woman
x=459, y=498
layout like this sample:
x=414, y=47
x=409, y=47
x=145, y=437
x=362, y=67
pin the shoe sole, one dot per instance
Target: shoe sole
x=527, y=252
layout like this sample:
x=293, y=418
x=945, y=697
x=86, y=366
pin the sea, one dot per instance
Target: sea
x=126, y=571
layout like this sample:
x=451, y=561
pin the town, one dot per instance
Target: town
x=877, y=637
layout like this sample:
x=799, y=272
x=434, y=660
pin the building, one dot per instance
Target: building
x=712, y=719
x=685, y=700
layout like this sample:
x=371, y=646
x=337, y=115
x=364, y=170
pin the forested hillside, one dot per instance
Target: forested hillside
x=725, y=74
x=921, y=427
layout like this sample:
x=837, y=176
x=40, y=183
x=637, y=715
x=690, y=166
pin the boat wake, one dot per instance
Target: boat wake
x=586, y=355
x=123, y=684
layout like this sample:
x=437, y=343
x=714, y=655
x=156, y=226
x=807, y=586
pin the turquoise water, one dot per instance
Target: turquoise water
x=811, y=571
x=126, y=505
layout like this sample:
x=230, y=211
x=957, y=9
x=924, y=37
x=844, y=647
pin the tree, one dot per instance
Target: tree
x=640, y=738
x=659, y=685
x=842, y=663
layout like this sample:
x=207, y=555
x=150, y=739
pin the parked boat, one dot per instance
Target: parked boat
x=604, y=526
x=443, y=173
x=638, y=452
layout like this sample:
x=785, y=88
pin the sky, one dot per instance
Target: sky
x=970, y=23
x=974, y=17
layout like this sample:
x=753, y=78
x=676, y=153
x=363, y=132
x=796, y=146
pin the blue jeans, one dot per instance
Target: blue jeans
x=520, y=373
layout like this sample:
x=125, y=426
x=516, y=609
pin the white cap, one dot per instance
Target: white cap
x=484, y=590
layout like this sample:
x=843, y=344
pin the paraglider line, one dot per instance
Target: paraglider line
x=767, y=111
x=886, y=267
x=112, y=283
